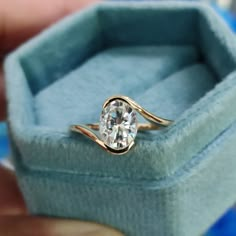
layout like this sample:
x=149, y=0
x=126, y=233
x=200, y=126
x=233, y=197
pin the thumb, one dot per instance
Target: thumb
x=37, y=226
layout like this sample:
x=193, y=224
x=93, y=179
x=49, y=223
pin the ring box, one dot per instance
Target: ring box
x=177, y=60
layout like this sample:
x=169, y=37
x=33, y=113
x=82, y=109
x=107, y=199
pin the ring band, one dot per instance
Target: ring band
x=119, y=125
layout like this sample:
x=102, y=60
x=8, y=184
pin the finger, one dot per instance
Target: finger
x=28, y=226
x=22, y=19
x=11, y=200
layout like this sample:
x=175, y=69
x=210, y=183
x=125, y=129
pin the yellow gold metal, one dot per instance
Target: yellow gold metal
x=155, y=123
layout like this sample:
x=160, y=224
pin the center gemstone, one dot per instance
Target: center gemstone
x=118, y=124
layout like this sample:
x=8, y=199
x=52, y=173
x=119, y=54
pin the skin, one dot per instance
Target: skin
x=20, y=20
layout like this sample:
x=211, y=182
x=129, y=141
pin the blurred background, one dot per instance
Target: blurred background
x=226, y=225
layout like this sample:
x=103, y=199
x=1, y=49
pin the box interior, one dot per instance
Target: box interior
x=134, y=52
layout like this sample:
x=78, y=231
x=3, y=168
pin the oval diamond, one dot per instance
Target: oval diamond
x=118, y=124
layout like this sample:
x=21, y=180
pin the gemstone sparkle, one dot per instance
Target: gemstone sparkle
x=118, y=124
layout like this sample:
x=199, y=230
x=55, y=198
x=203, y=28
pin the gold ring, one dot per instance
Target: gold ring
x=119, y=125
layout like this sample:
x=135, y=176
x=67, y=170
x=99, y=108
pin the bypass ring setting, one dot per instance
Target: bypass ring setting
x=118, y=125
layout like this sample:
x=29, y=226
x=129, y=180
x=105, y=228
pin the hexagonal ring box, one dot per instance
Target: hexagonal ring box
x=177, y=60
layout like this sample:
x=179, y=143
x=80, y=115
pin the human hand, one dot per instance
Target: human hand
x=20, y=20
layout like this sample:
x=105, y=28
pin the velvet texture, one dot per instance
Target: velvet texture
x=178, y=60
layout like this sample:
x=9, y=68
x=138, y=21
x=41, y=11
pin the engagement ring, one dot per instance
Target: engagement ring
x=119, y=125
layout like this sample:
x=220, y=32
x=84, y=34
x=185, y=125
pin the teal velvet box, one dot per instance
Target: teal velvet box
x=178, y=60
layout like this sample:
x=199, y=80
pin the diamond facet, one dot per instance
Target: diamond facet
x=118, y=124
